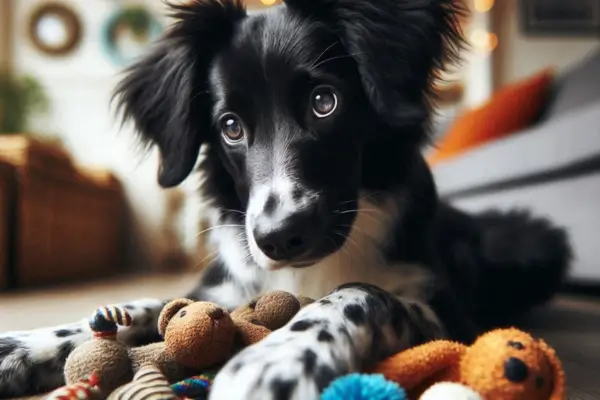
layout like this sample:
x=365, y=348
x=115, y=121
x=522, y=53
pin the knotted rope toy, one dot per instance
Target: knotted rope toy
x=86, y=389
x=103, y=324
x=105, y=320
x=196, y=387
x=148, y=384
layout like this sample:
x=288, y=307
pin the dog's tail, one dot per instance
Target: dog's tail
x=502, y=264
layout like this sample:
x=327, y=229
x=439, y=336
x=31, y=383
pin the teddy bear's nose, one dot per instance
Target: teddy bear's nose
x=515, y=370
x=216, y=313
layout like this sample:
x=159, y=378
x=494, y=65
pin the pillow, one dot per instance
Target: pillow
x=512, y=108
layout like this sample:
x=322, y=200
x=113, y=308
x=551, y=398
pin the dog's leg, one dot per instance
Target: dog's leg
x=349, y=329
x=229, y=290
x=33, y=361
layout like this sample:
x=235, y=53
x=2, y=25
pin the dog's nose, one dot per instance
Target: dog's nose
x=287, y=239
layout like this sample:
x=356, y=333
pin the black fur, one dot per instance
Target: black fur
x=502, y=264
x=399, y=48
x=167, y=92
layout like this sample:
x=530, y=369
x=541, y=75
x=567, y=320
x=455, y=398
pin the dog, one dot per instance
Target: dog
x=312, y=117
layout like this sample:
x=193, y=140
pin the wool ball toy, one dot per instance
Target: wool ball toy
x=196, y=335
x=363, y=387
x=450, y=391
x=503, y=364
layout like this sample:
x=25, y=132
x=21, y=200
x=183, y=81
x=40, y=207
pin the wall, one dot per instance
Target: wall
x=5, y=34
x=518, y=56
x=79, y=86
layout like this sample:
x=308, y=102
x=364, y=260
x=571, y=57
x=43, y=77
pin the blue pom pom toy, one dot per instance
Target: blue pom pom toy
x=363, y=387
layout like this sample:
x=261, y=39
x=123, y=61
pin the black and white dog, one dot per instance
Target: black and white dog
x=312, y=117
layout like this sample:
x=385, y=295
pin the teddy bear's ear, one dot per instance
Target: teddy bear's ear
x=275, y=309
x=169, y=311
x=558, y=374
x=304, y=301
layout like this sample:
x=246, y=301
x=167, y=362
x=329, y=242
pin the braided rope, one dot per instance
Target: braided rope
x=85, y=390
x=104, y=321
x=148, y=384
x=196, y=387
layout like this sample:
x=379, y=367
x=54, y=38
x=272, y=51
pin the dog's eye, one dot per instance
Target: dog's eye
x=324, y=101
x=232, y=128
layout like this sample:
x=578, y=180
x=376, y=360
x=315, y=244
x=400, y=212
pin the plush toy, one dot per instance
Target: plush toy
x=272, y=310
x=196, y=335
x=504, y=364
x=363, y=387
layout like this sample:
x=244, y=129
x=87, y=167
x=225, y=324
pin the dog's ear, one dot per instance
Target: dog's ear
x=558, y=373
x=400, y=47
x=166, y=93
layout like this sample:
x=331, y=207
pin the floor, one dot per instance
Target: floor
x=572, y=327
x=570, y=324
x=70, y=303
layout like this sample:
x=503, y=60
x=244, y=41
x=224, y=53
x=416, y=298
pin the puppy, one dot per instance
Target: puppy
x=311, y=117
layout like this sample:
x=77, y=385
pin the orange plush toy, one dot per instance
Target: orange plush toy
x=504, y=364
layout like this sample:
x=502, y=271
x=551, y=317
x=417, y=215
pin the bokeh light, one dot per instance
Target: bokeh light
x=483, y=5
x=484, y=41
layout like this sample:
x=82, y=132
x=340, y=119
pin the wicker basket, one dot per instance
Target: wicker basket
x=7, y=199
x=67, y=219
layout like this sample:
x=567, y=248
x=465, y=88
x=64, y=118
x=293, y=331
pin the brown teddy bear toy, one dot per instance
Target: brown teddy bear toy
x=196, y=335
x=272, y=310
x=503, y=364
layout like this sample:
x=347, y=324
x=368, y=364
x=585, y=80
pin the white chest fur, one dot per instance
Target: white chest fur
x=359, y=260
x=317, y=281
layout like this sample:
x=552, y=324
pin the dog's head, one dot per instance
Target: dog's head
x=288, y=100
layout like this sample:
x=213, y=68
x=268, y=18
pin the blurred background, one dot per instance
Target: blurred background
x=83, y=221
x=79, y=201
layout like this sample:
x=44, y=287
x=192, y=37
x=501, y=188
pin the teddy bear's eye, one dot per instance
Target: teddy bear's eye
x=182, y=314
x=516, y=345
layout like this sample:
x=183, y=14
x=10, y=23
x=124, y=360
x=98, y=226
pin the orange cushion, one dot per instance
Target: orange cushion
x=512, y=108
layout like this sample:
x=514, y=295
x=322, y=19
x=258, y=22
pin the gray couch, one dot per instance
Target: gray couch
x=552, y=168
